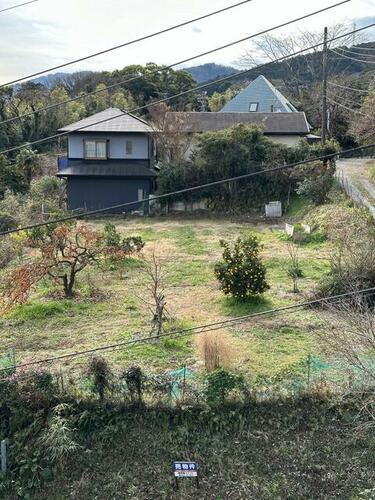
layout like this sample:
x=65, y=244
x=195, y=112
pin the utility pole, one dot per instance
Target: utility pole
x=324, y=88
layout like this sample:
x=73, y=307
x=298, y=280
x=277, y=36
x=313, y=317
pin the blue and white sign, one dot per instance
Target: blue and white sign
x=185, y=469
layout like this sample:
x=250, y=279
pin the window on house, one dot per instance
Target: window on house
x=253, y=106
x=96, y=150
x=129, y=147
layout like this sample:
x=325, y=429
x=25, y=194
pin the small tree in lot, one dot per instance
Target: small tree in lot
x=294, y=268
x=66, y=250
x=241, y=273
x=63, y=251
x=155, y=288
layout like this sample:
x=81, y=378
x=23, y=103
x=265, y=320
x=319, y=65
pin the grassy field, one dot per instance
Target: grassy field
x=48, y=327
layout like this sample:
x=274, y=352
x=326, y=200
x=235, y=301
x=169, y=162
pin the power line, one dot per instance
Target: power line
x=350, y=51
x=343, y=87
x=356, y=47
x=349, y=100
x=164, y=68
x=19, y=5
x=140, y=39
x=180, y=94
x=351, y=58
x=350, y=109
x=186, y=190
x=192, y=330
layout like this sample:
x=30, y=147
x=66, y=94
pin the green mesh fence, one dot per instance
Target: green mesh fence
x=179, y=378
x=7, y=360
x=314, y=370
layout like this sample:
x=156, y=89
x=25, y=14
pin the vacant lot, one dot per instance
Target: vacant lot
x=189, y=248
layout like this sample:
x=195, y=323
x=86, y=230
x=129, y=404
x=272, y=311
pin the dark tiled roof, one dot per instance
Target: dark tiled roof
x=112, y=168
x=273, y=123
x=116, y=121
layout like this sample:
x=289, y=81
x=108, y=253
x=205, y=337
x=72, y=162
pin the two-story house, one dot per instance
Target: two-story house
x=108, y=163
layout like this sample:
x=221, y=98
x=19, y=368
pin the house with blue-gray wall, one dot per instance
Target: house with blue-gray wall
x=109, y=161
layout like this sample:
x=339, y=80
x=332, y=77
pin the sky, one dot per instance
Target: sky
x=50, y=32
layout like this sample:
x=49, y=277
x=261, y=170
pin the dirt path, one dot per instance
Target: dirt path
x=353, y=175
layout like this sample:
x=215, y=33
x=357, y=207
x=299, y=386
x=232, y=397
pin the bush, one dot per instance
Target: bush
x=372, y=172
x=7, y=222
x=57, y=440
x=100, y=373
x=318, y=183
x=7, y=251
x=242, y=273
x=352, y=263
x=219, y=384
x=127, y=246
x=134, y=381
x=112, y=237
x=47, y=189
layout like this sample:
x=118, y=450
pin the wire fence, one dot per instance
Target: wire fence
x=353, y=192
x=311, y=374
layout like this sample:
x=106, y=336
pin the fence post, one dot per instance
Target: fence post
x=13, y=355
x=3, y=448
x=308, y=371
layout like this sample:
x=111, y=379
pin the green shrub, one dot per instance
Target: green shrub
x=7, y=222
x=112, y=237
x=57, y=440
x=372, y=172
x=134, y=382
x=317, y=184
x=242, y=273
x=220, y=384
x=47, y=189
x=7, y=251
x=129, y=245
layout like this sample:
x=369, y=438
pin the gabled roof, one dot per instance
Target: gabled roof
x=262, y=92
x=112, y=120
x=273, y=123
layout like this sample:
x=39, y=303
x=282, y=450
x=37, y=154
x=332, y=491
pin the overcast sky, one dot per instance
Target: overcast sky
x=50, y=32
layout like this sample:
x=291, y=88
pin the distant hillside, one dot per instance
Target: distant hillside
x=52, y=79
x=307, y=66
x=209, y=71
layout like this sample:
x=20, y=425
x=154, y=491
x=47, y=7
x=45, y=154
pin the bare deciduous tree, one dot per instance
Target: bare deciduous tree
x=172, y=141
x=155, y=274
x=294, y=268
x=299, y=70
x=363, y=122
x=351, y=337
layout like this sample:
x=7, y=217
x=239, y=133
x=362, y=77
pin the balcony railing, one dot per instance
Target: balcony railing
x=62, y=163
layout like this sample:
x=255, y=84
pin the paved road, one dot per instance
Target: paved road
x=353, y=174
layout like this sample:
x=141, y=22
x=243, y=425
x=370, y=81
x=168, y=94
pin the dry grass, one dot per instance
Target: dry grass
x=217, y=350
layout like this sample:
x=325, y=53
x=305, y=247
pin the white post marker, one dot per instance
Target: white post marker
x=3, y=452
x=185, y=469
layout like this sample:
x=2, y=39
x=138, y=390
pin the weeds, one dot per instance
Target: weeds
x=217, y=350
